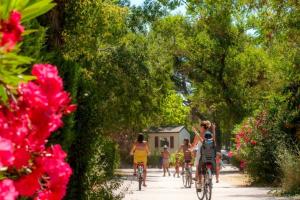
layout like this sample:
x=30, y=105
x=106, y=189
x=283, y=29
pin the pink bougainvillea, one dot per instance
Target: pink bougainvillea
x=6, y=152
x=32, y=167
x=7, y=190
x=11, y=30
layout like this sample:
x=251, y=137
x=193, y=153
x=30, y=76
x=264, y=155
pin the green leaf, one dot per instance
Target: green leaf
x=37, y=9
x=29, y=31
x=21, y=4
x=3, y=94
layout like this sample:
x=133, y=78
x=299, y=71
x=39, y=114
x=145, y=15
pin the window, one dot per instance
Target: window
x=164, y=142
x=172, y=142
x=156, y=142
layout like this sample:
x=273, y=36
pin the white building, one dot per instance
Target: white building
x=172, y=136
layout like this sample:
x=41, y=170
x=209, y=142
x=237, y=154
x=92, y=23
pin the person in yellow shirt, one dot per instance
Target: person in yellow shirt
x=140, y=152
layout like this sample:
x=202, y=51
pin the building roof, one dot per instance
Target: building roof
x=165, y=129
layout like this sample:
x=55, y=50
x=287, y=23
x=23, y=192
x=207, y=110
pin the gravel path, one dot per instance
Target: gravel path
x=231, y=187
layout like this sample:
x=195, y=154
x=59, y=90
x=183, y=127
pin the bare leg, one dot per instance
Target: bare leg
x=197, y=172
x=217, y=174
x=134, y=168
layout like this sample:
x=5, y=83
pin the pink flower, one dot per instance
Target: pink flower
x=22, y=156
x=25, y=127
x=253, y=142
x=242, y=164
x=53, y=166
x=48, y=78
x=70, y=109
x=11, y=30
x=7, y=190
x=230, y=154
x=6, y=153
x=44, y=195
x=29, y=184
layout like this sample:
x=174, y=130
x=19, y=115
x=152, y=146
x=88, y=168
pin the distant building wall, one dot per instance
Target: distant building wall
x=184, y=134
x=156, y=142
x=172, y=140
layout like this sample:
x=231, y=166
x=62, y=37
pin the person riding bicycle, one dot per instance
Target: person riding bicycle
x=185, y=148
x=207, y=153
x=140, y=152
x=198, y=140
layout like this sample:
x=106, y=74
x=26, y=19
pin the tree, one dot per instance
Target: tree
x=213, y=48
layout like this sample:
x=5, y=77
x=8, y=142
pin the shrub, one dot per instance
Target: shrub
x=154, y=160
x=236, y=161
x=289, y=163
x=257, y=139
x=173, y=158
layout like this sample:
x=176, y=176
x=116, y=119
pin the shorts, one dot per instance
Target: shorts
x=165, y=162
x=202, y=168
x=187, y=161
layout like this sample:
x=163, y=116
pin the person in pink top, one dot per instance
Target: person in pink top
x=185, y=148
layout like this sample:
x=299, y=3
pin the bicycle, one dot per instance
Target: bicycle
x=187, y=176
x=140, y=174
x=205, y=191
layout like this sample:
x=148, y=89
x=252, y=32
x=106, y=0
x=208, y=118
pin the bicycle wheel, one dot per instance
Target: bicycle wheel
x=183, y=179
x=188, y=180
x=208, y=185
x=191, y=179
x=140, y=180
x=200, y=189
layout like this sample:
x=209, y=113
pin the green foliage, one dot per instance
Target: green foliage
x=94, y=162
x=118, y=62
x=281, y=106
x=289, y=162
x=173, y=110
x=33, y=44
x=173, y=158
x=154, y=160
x=216, y=52
x=117, y=85
x=30, y=9
x=270, y=128
x=13, y=65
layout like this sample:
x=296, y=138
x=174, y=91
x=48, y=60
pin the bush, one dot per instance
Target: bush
x=154, y=160
x=236, y=162
x=173, y=158
x=289, y=163
x=257, y=139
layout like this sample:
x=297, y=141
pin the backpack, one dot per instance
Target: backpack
x=208, y=151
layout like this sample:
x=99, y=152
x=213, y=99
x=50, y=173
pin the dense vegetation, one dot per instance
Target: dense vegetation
x=132, y=67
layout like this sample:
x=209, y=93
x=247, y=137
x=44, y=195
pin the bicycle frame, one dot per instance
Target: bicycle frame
x=187, y=176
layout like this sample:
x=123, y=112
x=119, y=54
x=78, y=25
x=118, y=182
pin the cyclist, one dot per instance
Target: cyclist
x=140, y=151
x=185, y=148
x=208, y=137
x=166, y=157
